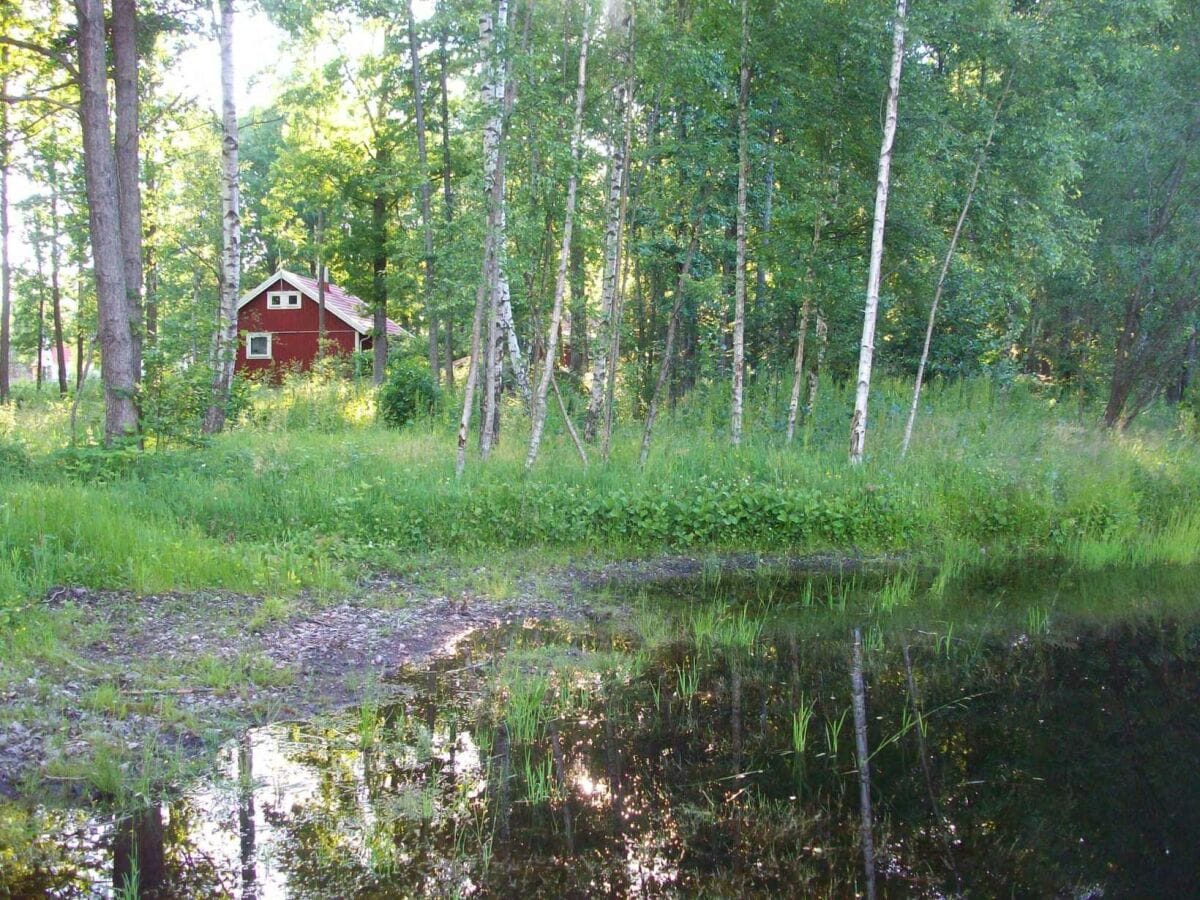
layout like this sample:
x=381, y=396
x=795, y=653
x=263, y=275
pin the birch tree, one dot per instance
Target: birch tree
x=614, y=210
x=492, y=34
x=805, y=313
x=226, y=338
x=425, y=189
x=941, y=282
x=564, y=253
x=5, y=268
x=739, y=313
x=858, y=425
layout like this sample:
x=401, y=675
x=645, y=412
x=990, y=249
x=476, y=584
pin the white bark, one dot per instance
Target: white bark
x=814, y=373
x=941, y=282
x=805, y=310
x=426, y=190
x=739, y=302
x=231, y=232
x=5, y=269
x=564, y=253
x=612, y=236
x=492, y=96
x=858, y=425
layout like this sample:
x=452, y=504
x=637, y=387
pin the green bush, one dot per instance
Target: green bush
x=408, y=392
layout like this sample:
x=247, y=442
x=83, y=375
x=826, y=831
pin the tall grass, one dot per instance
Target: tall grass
x=308, y=487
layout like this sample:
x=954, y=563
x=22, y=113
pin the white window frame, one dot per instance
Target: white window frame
x=250, y=336
x=283, y=300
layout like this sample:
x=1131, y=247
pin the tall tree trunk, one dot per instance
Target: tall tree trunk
x=129, y=200
x=5, y=268
x=564, y=254
x=805, y=311
x=578, y=357
x=55, y=285
x=505, y=323
x=941, y=282
x=322, y=277
x=814, y=373
x=612, y=234
x=760, y=270
x=858, y=425
x=739, y=301
x=485, y=293
x=668, y=354
x=231, y=234
x=447, y=191
x=492, y=38
x=150, y=268
x=40, y=264
x=100, y=176
x=426, y=190
x=379, y=340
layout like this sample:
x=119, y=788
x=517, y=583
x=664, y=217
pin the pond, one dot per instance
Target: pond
x=1030, y=734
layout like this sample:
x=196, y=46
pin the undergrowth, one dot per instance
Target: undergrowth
x=307, y=489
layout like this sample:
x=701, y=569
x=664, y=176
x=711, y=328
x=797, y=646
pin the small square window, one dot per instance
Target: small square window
x=258, y=346
x=283, y=300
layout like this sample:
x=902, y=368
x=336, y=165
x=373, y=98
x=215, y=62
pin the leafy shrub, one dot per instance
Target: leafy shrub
x=14, y=458
x=409, y=392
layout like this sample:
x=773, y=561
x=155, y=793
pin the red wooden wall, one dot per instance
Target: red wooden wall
x=293, y=333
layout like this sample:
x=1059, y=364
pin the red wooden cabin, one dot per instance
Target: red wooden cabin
x=279, y=323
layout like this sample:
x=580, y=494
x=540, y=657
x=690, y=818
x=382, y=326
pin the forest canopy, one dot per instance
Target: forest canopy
x=654, y=196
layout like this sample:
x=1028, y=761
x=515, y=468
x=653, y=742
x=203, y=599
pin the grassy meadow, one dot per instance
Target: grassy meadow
x=308, y=492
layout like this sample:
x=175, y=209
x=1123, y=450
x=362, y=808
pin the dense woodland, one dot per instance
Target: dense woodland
x=658, y=197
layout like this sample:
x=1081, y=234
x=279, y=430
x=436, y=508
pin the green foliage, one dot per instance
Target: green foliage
x=408, y=393
x=309, y=487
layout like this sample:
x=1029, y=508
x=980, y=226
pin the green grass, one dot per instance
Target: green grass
x=307, y=490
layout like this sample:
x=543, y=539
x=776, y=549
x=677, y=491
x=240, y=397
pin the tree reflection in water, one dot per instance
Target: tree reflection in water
x=1043, y=764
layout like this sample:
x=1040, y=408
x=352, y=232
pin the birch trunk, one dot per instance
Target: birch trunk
x=564, y=253
x=805, y=311
x=506, y=325
x=56, y=286
x=858, y=425
x=5, y=267
x=320, y=240
x=760, y=270
x=814, y=373
x=231, y=233
x=426, y=190
x=464, y=425
x=664, y=367
x=447, y=192
x=612, y=238
x=100, y=176
x=862, y=753
x=40, y=267
x=941, y=282
x=379, y=339
x=129, y=200
x=491, y=37
x=739, y=301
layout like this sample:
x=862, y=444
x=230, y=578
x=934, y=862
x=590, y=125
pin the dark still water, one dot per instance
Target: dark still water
x=700, y=742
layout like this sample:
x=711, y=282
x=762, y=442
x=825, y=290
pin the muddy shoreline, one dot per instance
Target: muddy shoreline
x=174, y=675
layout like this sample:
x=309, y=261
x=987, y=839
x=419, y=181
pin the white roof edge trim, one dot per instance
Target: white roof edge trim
x=285, y=275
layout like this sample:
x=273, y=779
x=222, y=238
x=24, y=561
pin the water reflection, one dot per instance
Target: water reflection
x=708, y=751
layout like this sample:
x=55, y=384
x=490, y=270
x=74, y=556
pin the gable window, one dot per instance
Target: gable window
x=283, y=300
x=258, y=345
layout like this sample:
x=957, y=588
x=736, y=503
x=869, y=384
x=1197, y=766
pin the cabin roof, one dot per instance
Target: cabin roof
x=352, y=310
